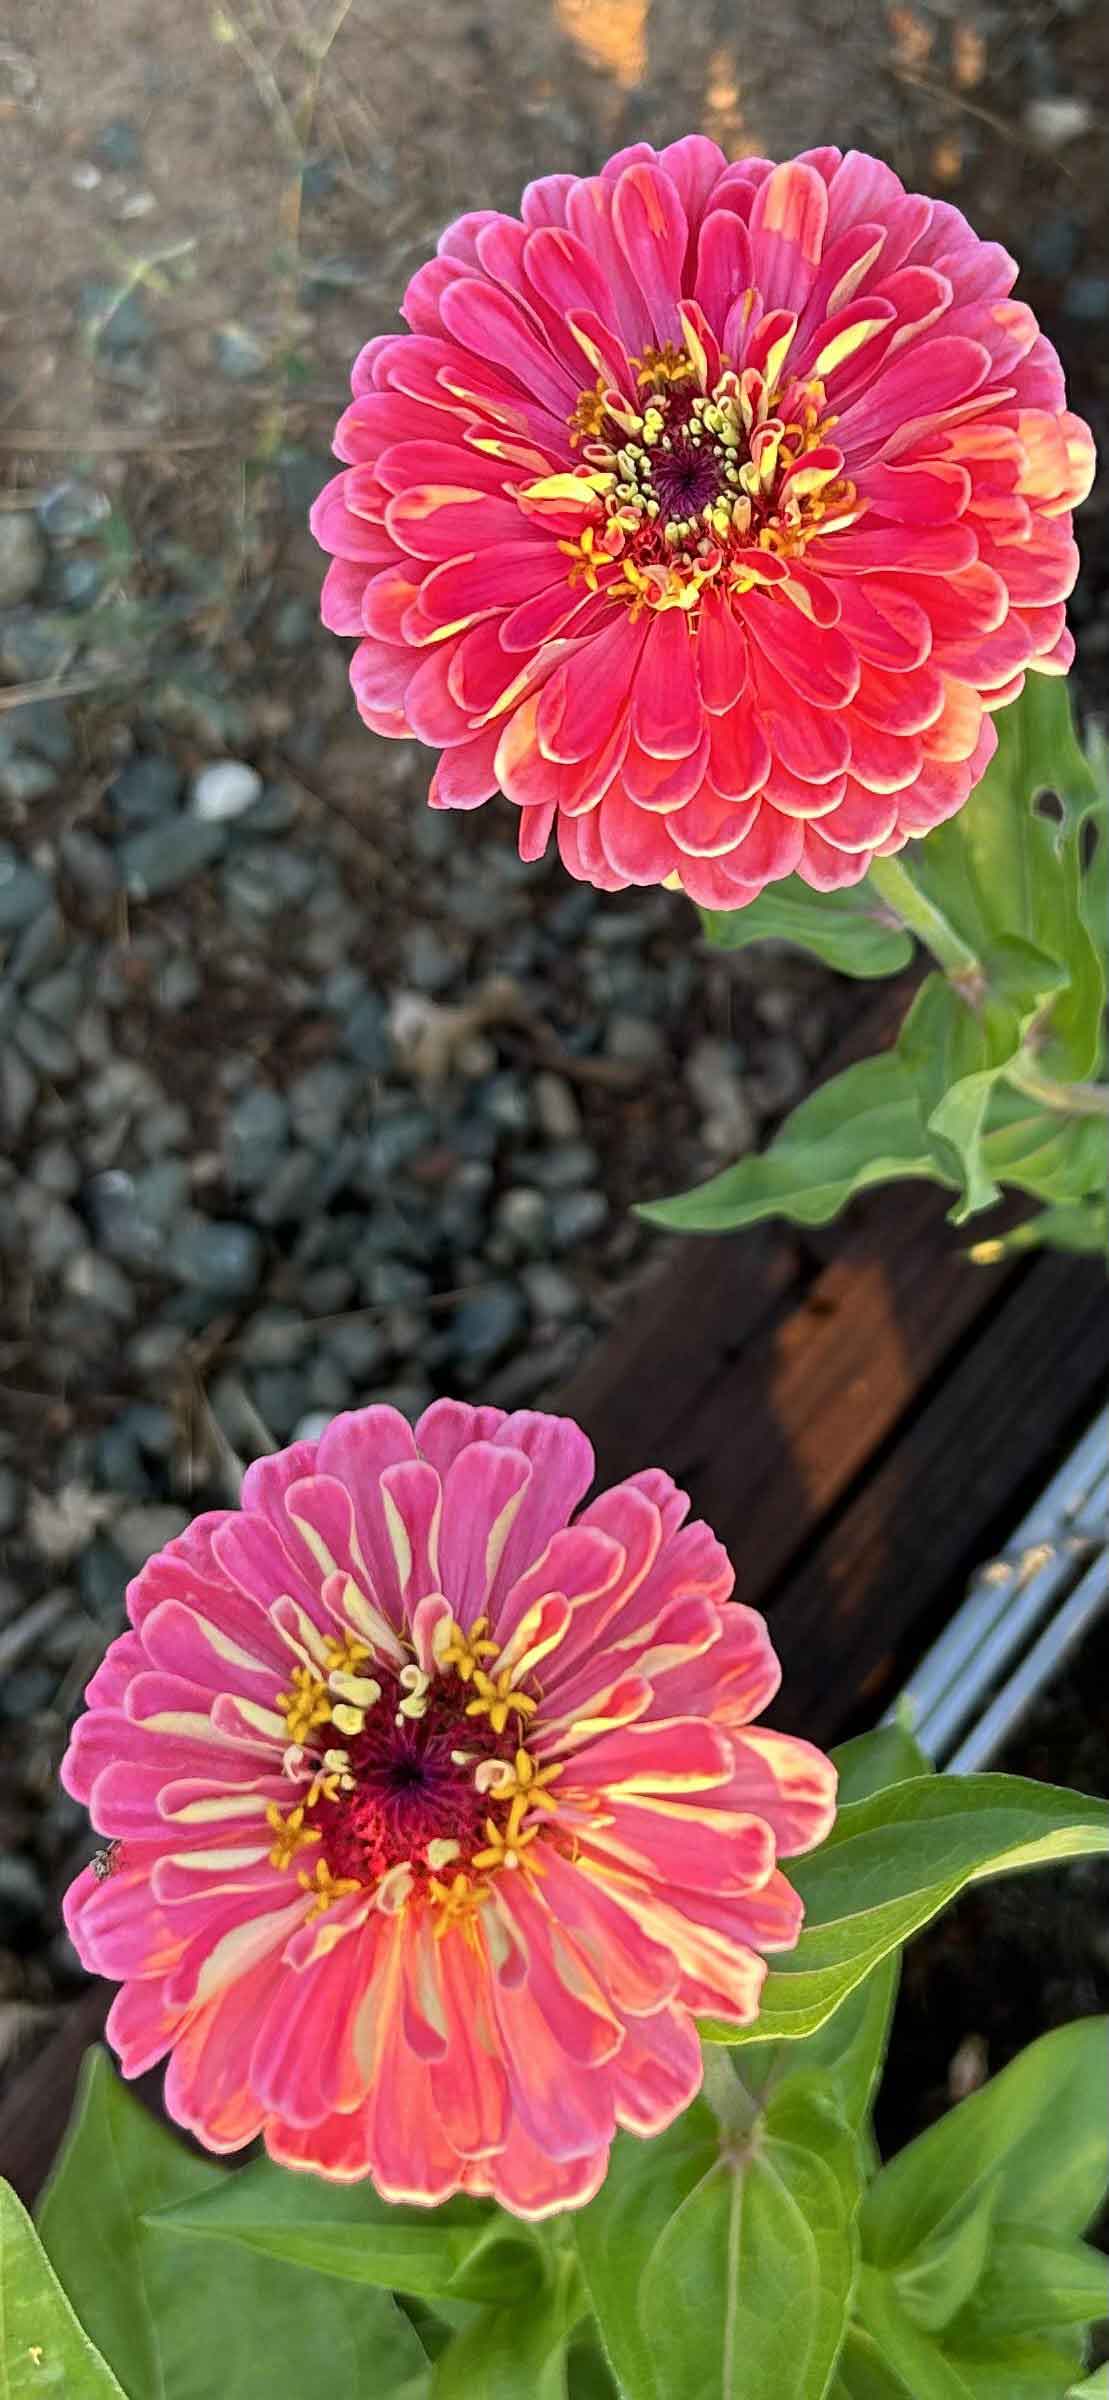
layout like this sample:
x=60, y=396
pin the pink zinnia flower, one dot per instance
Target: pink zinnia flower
x=707, y=511
x=435, y=1814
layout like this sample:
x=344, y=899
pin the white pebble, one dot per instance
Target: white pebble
x=225, y=791
x=1060, y=118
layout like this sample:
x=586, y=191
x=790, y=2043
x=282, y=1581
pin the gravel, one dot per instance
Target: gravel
x=225, y=791
x=23, y=557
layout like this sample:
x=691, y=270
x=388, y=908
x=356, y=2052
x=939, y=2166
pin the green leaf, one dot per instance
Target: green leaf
x=588, y=2374
x=1033, y=2281
x=861, y=1128
x=720, y=2263
x=1095, y=2386
x=863, y=2373
x=955, y=1054
x=174, y=2333
x=1080, y=1225
x=849, y=2048
x=1055, y=1158
x=464, y=2250
x=870, y=1762
x=939, y=2278
x=893, y=1862
x=44, y=2353
x=1035, y=2132
x=1000, y=869
x=506, y=2353
x=1016, y=2369
x=850, y=930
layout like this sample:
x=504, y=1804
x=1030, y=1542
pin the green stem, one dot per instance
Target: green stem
x=1068, y=1099
x=730, y=2101
x=918, y=915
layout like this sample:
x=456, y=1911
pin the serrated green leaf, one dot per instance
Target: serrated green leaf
x=864, y=1127
x=1035, y=2134
x=720, y=2265
x=178, y=2330
x=45, y=2354
x=849, y=930
x=893, y=1862
x=464, y=2250
x=1033, y=2281
x=938, y=2280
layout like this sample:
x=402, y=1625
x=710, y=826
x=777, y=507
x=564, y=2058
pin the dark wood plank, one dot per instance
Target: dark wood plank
x=880, y=1581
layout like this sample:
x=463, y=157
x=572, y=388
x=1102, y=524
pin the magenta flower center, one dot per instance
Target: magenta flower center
x=694, y=488
x=412, y=1784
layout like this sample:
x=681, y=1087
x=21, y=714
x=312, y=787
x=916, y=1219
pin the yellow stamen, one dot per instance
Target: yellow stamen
x=456, y=1902
x=465, y=1651
x=346, y=1656
x=496, y=1700
x=325, y=1887
x=291, y=1834
x=306, y=1705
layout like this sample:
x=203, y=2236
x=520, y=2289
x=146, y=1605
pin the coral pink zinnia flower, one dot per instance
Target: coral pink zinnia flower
x=707, y=511
x=436, y=1814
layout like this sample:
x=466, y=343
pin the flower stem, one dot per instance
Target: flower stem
x=918, y=915
x=730, y=2101
x=1067, y=1099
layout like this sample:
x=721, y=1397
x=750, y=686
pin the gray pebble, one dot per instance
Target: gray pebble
x=23, y=1899
x=389, y=1283
x=394, y=1140
x=163, y=857
x=24, y=780
x=38, y=948
x=486, y=1322
x=23, y=891
x=273, y=1338
x=102, y=1576
x=22, y=558
x=365, y=1033
x=60, y=997
x=49, y=1051
x=328, y=1384
x=18, y=1091
x=359, y=1346
x=88, y=862
x=156, y=1348
x=319, y=1101
x=139, y=1532
x=222, y=1258
x=11, y=1500
x=255, y=1133
x=224, y=791
x=636, y=1042
x=90, y=1277
x=506, y=1100
x=118, y=145
x=560, y=1170
x=145, y=791
x=279, y=1396
x=55, y=1235
x=550, y=1293
x=556, y=1107
x=327, y=1292
x=575, y=1216
x=1086, y=298
x=165, y=1127
x=36, y=647
x=291, y=1193
x=55, y=1168
x=521, y=1217
x=42, y=726
x=239, y=354
x=178, y=984
x=70, y=511
x=429, y=962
